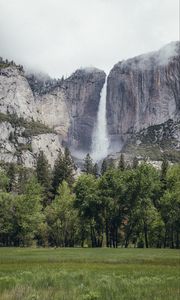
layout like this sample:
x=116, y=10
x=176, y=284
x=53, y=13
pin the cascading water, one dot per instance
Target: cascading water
x=100, y=142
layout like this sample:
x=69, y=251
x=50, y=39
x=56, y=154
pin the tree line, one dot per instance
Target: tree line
x=123, y=206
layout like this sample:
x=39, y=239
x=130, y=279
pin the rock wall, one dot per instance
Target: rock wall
x=53, y=111
x=83, y=90
x=16, y=148
x=143, y=91
x=15, y=94
x=68, y=106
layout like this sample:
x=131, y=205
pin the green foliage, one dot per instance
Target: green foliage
x=4, y=181
x=4, y=65
x=135, y=163
x=95, y=170
x=35, y=128
x=156, y=142
x=121, y=164
x=44, y=176
x=31, y=127
x=86, y=195
x=63, y=169
x=69, y=166
x=6, y=218
x=62, y=218
x=136, y=207
x=88, y=204
x=170, y=206
x=28, y=212
x=164, y=169
x=88, y=164
x=104, y=166
x=21, y=215
x=11, y=172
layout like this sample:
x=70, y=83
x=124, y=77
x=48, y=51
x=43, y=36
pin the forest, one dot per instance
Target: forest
x=117, y=206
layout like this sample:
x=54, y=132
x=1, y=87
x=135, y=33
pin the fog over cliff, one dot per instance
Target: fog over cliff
x=58, y=37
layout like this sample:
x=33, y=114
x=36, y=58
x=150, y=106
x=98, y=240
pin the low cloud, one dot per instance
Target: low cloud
x=57, y=37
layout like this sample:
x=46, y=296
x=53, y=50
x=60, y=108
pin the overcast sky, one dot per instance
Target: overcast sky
x=59, y=36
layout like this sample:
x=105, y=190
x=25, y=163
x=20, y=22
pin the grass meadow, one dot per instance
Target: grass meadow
x=89, y=274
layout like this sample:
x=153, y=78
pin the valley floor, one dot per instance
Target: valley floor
x=89, y=274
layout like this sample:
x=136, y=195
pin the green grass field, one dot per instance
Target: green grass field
x=89, y=274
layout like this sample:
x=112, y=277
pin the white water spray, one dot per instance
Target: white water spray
x=100, y=142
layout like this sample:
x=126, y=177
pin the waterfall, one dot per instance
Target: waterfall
x=100, y=142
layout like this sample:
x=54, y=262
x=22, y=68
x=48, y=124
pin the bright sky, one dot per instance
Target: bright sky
x=59, y=36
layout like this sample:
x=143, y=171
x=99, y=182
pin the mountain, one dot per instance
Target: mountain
x=53, y=112
x=41, y=113
x=144, y=91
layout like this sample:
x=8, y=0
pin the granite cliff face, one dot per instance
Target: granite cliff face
x=143, y=91
x=62, y=111
x=83, y=90
x=40, y=113
x=16, y=96
x=70, y=106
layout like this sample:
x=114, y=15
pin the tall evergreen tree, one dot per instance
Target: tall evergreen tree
x=135, y=163
x=96, y=170
x=63, y=169
x=104, y=167
x=4, y=181
x=23, y=175
x=69, y=167
x=88, y=164
x=44, y=176
x=121, y=164
x=164, y=169
x=111, y=165
x=42, y=170
x=58, y=172
x=11, y=173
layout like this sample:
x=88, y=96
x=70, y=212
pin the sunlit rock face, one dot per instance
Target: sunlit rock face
x=53, y=111
x=16, y=96
x=143, y=91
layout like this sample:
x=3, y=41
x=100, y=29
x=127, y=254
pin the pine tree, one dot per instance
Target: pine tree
x=69, y=167
x=164, y=168
x=44, y=176
x=22, y=178
x=111, y=164
x=135, y=163
x=88, y=164
x=121, y=164
x=104, y=167
x=4, y=181
x=63, y=169
x=95, y=170
x=11, y=173
x=42, y=170
x=58, y=172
